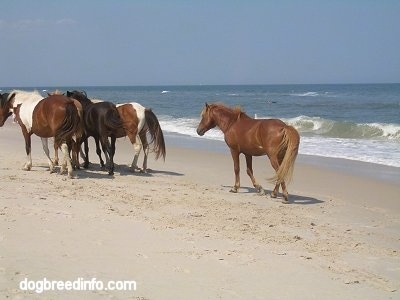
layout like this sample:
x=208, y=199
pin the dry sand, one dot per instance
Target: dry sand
x=180, y=234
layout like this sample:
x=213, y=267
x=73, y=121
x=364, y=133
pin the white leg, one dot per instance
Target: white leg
x=45, y=145
x=66, y=160
x=137, y=147
x=28, y=164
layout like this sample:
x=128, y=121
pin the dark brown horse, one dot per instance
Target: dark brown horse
x=254, y=137
x=102, y=121
x=55, y=116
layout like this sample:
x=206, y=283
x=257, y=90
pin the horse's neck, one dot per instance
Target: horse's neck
x=86, y=103
x=225, y=119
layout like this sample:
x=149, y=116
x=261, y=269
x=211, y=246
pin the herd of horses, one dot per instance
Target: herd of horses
x=72, y=118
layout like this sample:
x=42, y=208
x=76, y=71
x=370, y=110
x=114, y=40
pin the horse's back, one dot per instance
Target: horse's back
x=102, y=118
x=27, y=101
x=255, y=137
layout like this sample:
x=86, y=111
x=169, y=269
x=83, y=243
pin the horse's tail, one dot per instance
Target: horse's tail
x=289, y=148
x=69, y=126
x=81, y=128
x=113, y=121
x=153, y=127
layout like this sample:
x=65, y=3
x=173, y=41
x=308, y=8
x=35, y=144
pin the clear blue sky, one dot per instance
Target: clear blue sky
x=168, y=42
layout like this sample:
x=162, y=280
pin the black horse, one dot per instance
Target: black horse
x=102, y=121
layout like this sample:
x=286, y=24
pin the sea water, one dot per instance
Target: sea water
x=352, y=121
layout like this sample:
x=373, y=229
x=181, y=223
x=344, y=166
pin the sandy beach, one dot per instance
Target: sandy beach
x=179, y=233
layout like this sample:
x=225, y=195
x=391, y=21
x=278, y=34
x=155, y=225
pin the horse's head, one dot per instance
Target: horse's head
x=207, y=121
x=79, y=96
x=6, y=101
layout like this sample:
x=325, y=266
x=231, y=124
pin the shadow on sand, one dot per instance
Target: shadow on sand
x=293, y=198
x=95, y=171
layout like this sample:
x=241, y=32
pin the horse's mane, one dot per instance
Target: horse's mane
x=236, y=110
x=56, y=92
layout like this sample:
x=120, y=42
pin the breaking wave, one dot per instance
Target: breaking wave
x=337, y=129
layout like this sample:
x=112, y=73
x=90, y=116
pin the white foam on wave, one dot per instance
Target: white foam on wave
x=306, y=94
x=187, y=126
x=371, y=151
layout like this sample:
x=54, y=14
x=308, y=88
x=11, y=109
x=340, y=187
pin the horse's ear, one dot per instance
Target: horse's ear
x=11, y=98
x=207, y=105
x=69, y=94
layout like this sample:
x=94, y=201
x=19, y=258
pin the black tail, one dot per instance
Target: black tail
x=69, y=125
x=157, y=136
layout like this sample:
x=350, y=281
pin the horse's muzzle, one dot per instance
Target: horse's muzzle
x=200, y=131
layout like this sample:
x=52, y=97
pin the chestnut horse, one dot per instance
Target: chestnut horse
x=75, y=155
x=140, y=120
x=55, y=116
x=254, y=137
x=102, y=121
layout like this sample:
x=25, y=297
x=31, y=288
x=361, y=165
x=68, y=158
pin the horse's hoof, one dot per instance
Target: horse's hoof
x=111, y=173
x=260, y=191
x=233, y=191
x=272, y=195
x=285, y=201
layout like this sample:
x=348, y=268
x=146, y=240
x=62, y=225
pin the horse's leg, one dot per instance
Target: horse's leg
x=249, y=164
x=75, y=147
x=86, y=147
x=236, y=168
x=137, y=147
x=28, y=165
x=112, y=153
x=146, y=149
x=110, y=150
x=45, y=145
x=55, y=156
x=285, y=193
x=98, y=151
x=275, y=164
x=66, y=160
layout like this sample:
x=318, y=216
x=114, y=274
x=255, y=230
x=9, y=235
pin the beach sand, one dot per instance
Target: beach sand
x=179, y=233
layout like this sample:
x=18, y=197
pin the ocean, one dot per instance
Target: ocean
x=352, y=121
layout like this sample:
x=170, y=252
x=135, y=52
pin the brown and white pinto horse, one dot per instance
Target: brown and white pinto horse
x=138, y=121
x=55, y=116
x=254, y=137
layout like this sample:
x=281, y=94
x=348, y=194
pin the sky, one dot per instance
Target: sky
x=177, y=42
